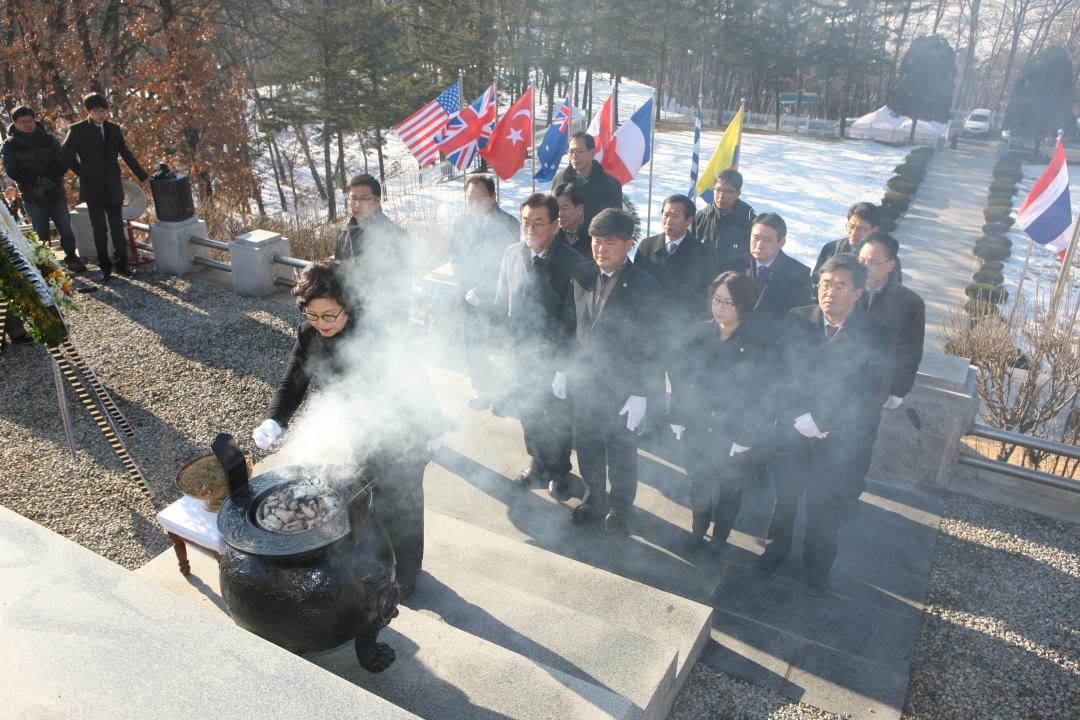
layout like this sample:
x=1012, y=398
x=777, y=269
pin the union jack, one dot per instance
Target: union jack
x=420, y=130
x=469, y=130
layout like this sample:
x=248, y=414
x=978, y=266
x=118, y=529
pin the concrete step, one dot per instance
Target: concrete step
x=86, y=638
x=440, y=670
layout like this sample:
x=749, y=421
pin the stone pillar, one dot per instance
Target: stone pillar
x=172, y=251
x=84, y=232
x=253, y=268
x=945, y=400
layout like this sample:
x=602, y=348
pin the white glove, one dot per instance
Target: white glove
x=808, y=428
x=558, y=385
x=678, y=430
x=634, y=410
x=473, y=298
x=433, y=445
x=736, y=448
x=267, y=436
x=892, y=402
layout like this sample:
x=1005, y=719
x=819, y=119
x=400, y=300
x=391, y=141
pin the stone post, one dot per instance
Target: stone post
x=84, y=233
x=172, y=251
x=253, y=267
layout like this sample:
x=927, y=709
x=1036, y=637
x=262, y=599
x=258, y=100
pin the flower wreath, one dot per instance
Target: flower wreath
x=33, y=284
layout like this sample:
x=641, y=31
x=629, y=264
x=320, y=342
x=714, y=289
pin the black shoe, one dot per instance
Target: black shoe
x=559, y=486
x=105, y=275
x=816, y=587
x=75, y=264
x=479, y=402
x=615, y=522
x=581, y=513
x=125, y=270
x=22, y=340
x=533, y=473
x=767, y=563
x=693, y=543
x=406, y=587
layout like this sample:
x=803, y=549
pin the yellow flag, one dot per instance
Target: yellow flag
x=725, y=156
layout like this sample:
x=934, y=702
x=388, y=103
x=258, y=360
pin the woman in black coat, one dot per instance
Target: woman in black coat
x=390, y=394
x=717, y=410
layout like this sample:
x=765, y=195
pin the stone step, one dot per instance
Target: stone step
x=440, y=671
x=86, y=638
x=466, y=584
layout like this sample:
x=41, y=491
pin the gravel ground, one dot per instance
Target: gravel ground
x=185, y=360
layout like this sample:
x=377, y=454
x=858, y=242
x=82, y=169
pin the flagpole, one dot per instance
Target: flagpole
x=1066, y=268
x=652, y=161
x=532, y=139
x=1027, y=261
x=738, y=143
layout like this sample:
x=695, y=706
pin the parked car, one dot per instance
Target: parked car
x=979, y=123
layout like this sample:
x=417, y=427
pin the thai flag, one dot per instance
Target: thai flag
x=469, y=130
x=629, y=148
x=1046, y=214
x=556, y=141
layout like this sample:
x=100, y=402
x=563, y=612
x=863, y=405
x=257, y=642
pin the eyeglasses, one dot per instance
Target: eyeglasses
x=858, y=228
x=325, y=317
x=366, y=199
x=535, y=224
x=826, y=288
x=578, y=152
x=873, y=263
x=725, y=303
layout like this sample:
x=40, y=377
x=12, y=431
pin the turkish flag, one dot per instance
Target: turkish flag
x=505, y=152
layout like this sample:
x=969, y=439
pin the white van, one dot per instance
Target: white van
x=979, y=122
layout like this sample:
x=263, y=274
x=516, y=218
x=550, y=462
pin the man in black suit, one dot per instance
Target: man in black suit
x=900, y=314
x=611, y=368
x=724, y=226
x=533, y=287
x=599, y=190
x=573, y=230
x=780, y=281
x=834, y=364
x=92, y=148
x=863, y=218
x=478, y=240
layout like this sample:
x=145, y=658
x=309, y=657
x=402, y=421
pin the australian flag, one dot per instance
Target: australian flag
x=556, y=141
x=469, y=130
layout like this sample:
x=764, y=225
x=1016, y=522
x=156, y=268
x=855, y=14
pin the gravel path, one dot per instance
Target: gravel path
x=184, y=361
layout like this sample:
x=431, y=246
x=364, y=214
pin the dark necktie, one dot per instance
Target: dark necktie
x=671, y=248
x=830, y=332
x=761, y=277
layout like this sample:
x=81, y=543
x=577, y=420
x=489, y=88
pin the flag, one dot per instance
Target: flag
x=1046, y=214
x=418, y=131
x=505, y=153
x=725, y=156
x=601, y=127
x=694, y=156
x=555, y=143
x=469, y=130
x=629, y=148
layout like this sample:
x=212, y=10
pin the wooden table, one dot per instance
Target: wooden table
x=187, y=521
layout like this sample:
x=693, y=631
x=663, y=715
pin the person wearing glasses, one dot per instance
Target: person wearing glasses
x=598, y=189
x=863, y=218
x=779, y=280
x=376, y=252
x=339, y=348
x=477, y=242
x=717, y=410
x=724, y=226
x=835, y=368
x=534, y=280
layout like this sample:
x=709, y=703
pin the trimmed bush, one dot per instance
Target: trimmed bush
x=987, y=277
x=1009, y=174
x=993, y=266
x=985, y=291
x=923, y=152
x=900, y=201
x=980, y=308
x=997, y=213
x=887, y=225
x=1003, y=186
x=992, y=252
x=901, y=185
x=999, y=240
x=999, y=198
x=995, y=228
x=911, y=171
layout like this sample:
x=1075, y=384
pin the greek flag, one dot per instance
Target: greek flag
x=697, y=151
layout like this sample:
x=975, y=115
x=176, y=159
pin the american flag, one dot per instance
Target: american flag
x=694, y=158
x=469, y=130
x=419, y=131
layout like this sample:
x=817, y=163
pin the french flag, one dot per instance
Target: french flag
x=629, y=147
x=1046, y=214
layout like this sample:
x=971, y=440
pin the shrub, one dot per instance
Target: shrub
x=923, y=152
x=992, y=252
x=887, y=225
x=985, y=291
x=999, y=198
x=977, y=308
x=888, y=211
x=911, y=171
x=900, y=201
x=998, y=240
x=993, y=266
x=995, y=228
x=1009, y=174
x=1001, y=187
x=997, y=213
x=901, y=185
x=988, y=277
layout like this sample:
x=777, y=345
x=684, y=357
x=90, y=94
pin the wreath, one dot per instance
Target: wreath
x=33, y=285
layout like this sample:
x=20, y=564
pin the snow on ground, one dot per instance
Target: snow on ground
x=810, y=182
x=1044, y=268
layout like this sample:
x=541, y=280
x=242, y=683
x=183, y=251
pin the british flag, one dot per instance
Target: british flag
x=469, y=130
x=420, y=130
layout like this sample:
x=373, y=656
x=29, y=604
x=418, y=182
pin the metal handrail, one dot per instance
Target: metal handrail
x=284, y=281
x=1028, y=441
x=139, y=226
x=207, y=242
x=1019, y=471
x=207, y=262
x=290, y=261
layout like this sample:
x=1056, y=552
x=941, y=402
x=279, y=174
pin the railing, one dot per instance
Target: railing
x=1018, y=471
x=208, y=262
x=287, y=261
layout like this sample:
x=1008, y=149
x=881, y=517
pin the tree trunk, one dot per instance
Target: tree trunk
x=379, y=150
x=274, y=163
x=776, y=95
x=911, y=137
x=328, y=166
x=588, y=91
x=305, y=147
x=341, y=162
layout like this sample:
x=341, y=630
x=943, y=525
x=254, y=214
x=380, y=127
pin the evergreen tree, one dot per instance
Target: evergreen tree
x=1041, y=103
x=924, y=88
